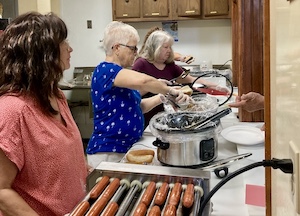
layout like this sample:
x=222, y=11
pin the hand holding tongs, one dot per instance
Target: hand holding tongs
x=168, y=100
x=182, y=75
x=171, y=99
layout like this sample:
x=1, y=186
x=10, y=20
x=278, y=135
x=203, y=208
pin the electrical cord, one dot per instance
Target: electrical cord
x=285, y=165
x=224, y=64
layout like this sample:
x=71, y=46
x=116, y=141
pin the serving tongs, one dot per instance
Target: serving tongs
x=212, y=118
x=224, y=162
x=182, y=75
x=170, y=99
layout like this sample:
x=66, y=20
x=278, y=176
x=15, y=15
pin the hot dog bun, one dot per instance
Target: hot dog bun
x=187, y=90
x=140, y=156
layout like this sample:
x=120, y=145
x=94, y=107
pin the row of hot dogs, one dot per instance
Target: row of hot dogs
x=112, y=196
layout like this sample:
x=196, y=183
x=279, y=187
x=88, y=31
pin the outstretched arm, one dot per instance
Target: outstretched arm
x=250, y=102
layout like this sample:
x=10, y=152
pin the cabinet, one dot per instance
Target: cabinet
x=167, y=10
x=216, y=9
x=155, y=8
x=126, y=9
x=188, y=8
x=141, y=10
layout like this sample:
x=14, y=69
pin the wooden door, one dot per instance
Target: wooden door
x=216, y=7
x=124, y=9
x=188, y=8
x=155, y=8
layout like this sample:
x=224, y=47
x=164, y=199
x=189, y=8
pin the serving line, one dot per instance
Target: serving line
x=230, y=198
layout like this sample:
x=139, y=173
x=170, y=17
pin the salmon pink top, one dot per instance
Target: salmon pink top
x=49, y=155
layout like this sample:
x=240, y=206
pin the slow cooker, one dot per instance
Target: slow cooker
x=181, y=143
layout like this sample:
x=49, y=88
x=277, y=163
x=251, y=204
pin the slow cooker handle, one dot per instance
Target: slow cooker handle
x=160, y=144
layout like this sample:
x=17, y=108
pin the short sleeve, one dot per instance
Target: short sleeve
x=10, y=132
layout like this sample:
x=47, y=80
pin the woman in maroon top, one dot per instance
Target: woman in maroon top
x=157, y=59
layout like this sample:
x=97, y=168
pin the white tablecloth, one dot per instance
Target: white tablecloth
x=230, y=199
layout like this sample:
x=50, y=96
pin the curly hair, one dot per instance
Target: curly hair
x=30, y=57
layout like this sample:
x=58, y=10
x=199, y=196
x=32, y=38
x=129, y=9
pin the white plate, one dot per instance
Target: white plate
x=244, y=135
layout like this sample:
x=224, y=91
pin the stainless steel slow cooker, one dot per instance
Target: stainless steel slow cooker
x=180, y=144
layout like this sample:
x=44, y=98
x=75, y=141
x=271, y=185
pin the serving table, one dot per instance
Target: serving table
x=230, y=199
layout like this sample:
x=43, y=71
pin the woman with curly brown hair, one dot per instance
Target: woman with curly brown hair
x=42, y=163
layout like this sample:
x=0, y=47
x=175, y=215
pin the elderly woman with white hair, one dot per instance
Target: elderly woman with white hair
x=116, y=96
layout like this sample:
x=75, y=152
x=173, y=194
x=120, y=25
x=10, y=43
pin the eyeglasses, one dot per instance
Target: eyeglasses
x=133, y=48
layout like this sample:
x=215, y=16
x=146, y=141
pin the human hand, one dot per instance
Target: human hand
x=89, y=169
x=162, y=98
x=250, y=102
x=180, y=96
x=188, y=59
x=183, y=58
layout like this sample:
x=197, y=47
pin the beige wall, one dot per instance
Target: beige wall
x=27, y=5
x=42, y=6
x=55, y=6
x=285, y=96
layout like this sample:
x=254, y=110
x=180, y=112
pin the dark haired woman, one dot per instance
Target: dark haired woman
x=42, y=163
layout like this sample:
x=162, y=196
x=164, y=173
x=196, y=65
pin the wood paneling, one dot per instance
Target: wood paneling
x=251, y=65
x=247, y=47
x=267, y=90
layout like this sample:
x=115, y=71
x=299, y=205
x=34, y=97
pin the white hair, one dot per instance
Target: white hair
x=118, y=32
x=154, y=43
